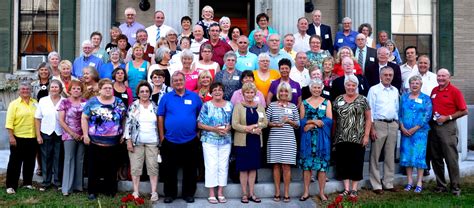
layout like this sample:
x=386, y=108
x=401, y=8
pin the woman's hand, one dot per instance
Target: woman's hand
x=87, y=140
x=365, y=141
x=129, y=146
x=39, y=139
x=308, y=127
x=404, y=131
x=319, y=123
x=412, y=130
x=12, y=141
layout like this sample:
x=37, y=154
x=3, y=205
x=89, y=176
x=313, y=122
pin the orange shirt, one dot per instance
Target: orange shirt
x=264, y=85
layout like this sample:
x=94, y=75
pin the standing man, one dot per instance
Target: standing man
x=410, y=67
x=346, y=37
x=364, y=55
x=383, y=101
x=299, y=73
x=86, y=59
x=324, y=31
x=148, y=50
x=130, y=26
x=260, y=46
x=428, y=78
x=301, y=38
x=198, y=40
x=245, y=59
x=159, y=29
x=177, y=114
x=96, y=39
x=372, y=73
x=288, y=42
x=275, y=53
x=219, y=47
x=448, y=105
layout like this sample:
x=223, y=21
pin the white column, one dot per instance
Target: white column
x=360, y=11
x=176, y=9
x=285, y=14
x=462, y=137
x=95, y=16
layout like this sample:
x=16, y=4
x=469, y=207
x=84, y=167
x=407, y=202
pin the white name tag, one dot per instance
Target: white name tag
x=235, y=77
x=418, y=100
x=326, y=36
x=150, y=55
x=134, y=35
x=227, y=108
x=325, y=92
x=288, y=111
x=188, y=102
x=371, y=59
x=141, y=69
x=322, y=107
x=433, y=96
x=124, y=96
x=99, y=55
x=256, y=99
x=293, y=90
x=341, y=103
x=248, y=64
x=194, y=76
x=340, y=40
x=83, y=104
x=92, y=64
x=260, y=114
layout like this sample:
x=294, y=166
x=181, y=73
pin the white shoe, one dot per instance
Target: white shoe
x=154, y=197
x=135, y=195
x=10, y=191
x=29, y=187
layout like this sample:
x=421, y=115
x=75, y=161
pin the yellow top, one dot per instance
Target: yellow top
x=264, y=85
x=21, y=118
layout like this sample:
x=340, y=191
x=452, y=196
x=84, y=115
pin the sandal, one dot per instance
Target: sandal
x=354, y=194
x=286, y=199
x=304, y=198
x=244, y=199
x=323, y=197
x=408, y=187
x=255, y=199
x=212, y=200
x=276, y=198
x=221, y=199
x=418, y=189
x=344, y=193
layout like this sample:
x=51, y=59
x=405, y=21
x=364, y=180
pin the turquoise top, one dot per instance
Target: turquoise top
x=136, y=75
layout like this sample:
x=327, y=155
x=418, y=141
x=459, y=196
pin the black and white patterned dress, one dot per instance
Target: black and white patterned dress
x=350, y=125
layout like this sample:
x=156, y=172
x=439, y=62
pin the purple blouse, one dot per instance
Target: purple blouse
x=72, y=116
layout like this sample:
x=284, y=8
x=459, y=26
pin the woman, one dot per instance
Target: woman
x=316, y=54
x=22, y=138
x=415, y=113
x=328, y=76
x=106, y=70
x=230, y=77
x=190, y=74
x=114, y=35
x=141, y=133
x=175, y=62
x=306, y=91
x=90, y=79
x=162, y=59
x=162, y=42
x=40, y=86
x=65, y=76
x=284, y=66
x=214, y=120
x=262, y=21
x=205, y=63
x=204, y=84
x=172, y=39
x=207, y=15
x=224, y=24
x=159, y=87
x=186, y=29
x=343, y=52
x=48, y=134
x=101, y=123
x=394, y=55
x=248, y=120
x=70, y=110
x=233, y=36
x=353, y=121
x=366, y=29
x=238, y=96
x=119, y=76
x=315, y=147
x=53, y=61
x=137, y=68
x=283, y=119
x=263, y=75
x=123, y=46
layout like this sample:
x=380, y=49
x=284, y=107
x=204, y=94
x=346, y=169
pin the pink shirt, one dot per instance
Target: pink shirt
x=191, y=80
x=238, y=97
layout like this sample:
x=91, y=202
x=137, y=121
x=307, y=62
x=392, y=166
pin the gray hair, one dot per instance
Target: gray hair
x=351, y=78
x=160, y=53
x=171, y=31
x=415, y=78
x=178, y=73
x=54, y=53
x=186, y=53
x=314, y=82
x=25, y=84
x=385, y=68
x=263, y=56
x=86, y=42
x=346, y=19
x=56, y=81
x=230, y=54
x=284, y=86
x=224, y=18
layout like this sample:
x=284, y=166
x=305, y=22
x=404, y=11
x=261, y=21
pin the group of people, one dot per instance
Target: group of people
x=190, y=100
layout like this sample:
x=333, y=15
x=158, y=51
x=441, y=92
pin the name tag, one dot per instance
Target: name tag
x=188, y=102
x=322, y=107
x=341, y=103
x=194, y=76
x=134, y=35
x=371, y=59
x=125, y=96
x=227, y=108
x=83, y=104
x=325, y=92
x=433, y=96
x=108, y=50
x=288, y=111
x=248, y=64
x=92, y=64
x=351, y=39
x=256, y=99
x=260, y=114
x=418, y=100
x=326, y=36
x=99, y=55
x=293, y=90
x=151, y=55
x=236, y=78
x=141, y=69
x=340, y=40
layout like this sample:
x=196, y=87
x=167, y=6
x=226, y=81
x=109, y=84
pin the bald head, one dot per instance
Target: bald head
x=361, y=40
x=443, y=77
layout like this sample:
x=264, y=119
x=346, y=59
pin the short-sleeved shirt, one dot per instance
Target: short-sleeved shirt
x=212, y=115
x=82, y=61
x=105, y=121
x=21, y=118
x=248, y=61
x=275, y=58
x=264, y=85
x=231, y=82
x=343, y=40
x=180, y=113
x=295, y=90
x=350, y=123
x=131, y=31
x=106, y=70
x=447, y=101
x=72, y=116
x=218, y=51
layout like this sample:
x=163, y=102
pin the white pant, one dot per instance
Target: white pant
x=216, y=163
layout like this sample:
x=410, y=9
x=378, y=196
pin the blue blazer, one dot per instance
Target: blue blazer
x=326, y=35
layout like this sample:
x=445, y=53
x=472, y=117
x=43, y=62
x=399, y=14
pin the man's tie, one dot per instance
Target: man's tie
x=361, y=59
x=157, y=34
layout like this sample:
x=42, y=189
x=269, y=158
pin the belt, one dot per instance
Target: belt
x=386, y=120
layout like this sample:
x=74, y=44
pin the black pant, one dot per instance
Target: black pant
x=176, y=156
x=50, y=153
x=23, y=153
x=102, y=162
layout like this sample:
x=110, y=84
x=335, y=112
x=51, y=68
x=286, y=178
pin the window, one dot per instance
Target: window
x=412, y=25
x=38, y=30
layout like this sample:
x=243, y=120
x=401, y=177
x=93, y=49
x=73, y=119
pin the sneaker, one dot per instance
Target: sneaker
x=29, y=187
x=418, y=189
x=42, y=189
x=135, y=195
x=10, y=191
x=408, y=187
x=456, y=191
x=154, y=197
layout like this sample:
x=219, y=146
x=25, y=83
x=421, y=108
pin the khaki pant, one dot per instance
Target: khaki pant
x=144, y=153
x=386, y=142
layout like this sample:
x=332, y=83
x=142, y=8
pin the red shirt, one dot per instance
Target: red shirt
x=340, y=71
x=148, y=53
x=447, y=101
x=218, y=51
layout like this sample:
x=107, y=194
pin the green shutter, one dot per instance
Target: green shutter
x=383, y=17
x=6, y=35
x=67, y=29
x=445, y=35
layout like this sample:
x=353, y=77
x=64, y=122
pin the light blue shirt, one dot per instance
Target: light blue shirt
x=275, y=58
x=130, y=31
x=248, y=61
x=81, y=62
x=364, y=55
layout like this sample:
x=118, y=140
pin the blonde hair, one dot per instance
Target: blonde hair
x=284, y=86
x=338, y=55
x=207, y=8
x=249, y=86
x=202, y=74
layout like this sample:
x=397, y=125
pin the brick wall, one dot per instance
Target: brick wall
x=329, y=13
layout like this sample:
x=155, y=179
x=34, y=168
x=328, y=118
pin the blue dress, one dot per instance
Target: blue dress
x=308, y=149
x=135, y=75
x=248, y=157
x=414, y=112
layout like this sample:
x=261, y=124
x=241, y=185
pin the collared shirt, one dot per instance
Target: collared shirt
x=180, y=114
x=258, y=50
x=407, y=71
x=153, y=31
x=219, y=50
x=317, y=29
x=196, y=45
x=105, y=71
x=292, y=53
x=343, y=40
x=231, y=82
x=275, y=58
x=364, y=56
x=238, y=97
x=131, y=31
x=248, y=61
x=82, y=61
x=383, y=102
x=302, y=77
x=21, y=118
x=102, y=54
x=47, y=112
x=301, y=42
x=447, y=101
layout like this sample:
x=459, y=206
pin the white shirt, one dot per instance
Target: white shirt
x=195, y=45
x=302, y=77
x=147, y=121
x=153, y=30
x=407, y=71
x=301, y=42
x=317, y=29
x=429, y=80
x=48, y=113
x=383, y=102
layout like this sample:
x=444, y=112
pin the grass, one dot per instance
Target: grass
x=427, y=198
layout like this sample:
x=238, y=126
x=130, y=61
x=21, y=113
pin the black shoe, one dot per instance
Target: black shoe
x=168, y=200
x=92, y=197
x=440, y=189
x=456, y=191
x=189, y=199
x=426, y=172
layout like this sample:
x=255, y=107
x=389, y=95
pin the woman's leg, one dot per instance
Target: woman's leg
x=355, y=185
x=420, y=177
x=244, y=177
x=211, y=165
x=286, y=179
x=276, y=179
x=307, y=180
x=251, y=179
x=346, y=185
x=69, y=166
x=410, y=175
x=322, y=184
x=137, y=158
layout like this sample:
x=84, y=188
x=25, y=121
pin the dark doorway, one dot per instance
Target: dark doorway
x=240, y=12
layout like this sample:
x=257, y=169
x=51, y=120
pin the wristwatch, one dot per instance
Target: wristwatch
x=450, y=118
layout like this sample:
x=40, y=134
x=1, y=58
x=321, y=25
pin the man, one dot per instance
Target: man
x=384, y=106
x=372, y=72
x=157, y=30
x=364, y=55
x=245, y=59
x=410, y=67
x=274, y=51
x=448, y=105
x=219, y=47
x=198, y=34
x=149, y=53
x=324, y=31
x=429, y=78
x=382, y=38
x=260, y=46
x=86, y=59
x=130, y=26
x=299, y=73
x=96, y=39
x=338, y=84
x=177, y=115
x=346, y=37
x=288, y=42
x=301, y=38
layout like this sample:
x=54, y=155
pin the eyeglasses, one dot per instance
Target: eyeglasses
x=242, y=42
x=144, y=91
x=273, y=40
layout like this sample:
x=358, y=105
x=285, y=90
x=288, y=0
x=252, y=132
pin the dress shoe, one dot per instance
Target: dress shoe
x=168, y=200
x=456, y=191
x=392, y=189
x=189, y=199
x=92, y=197
x=378, y=191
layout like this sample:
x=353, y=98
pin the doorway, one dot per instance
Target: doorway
x=241, y=13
